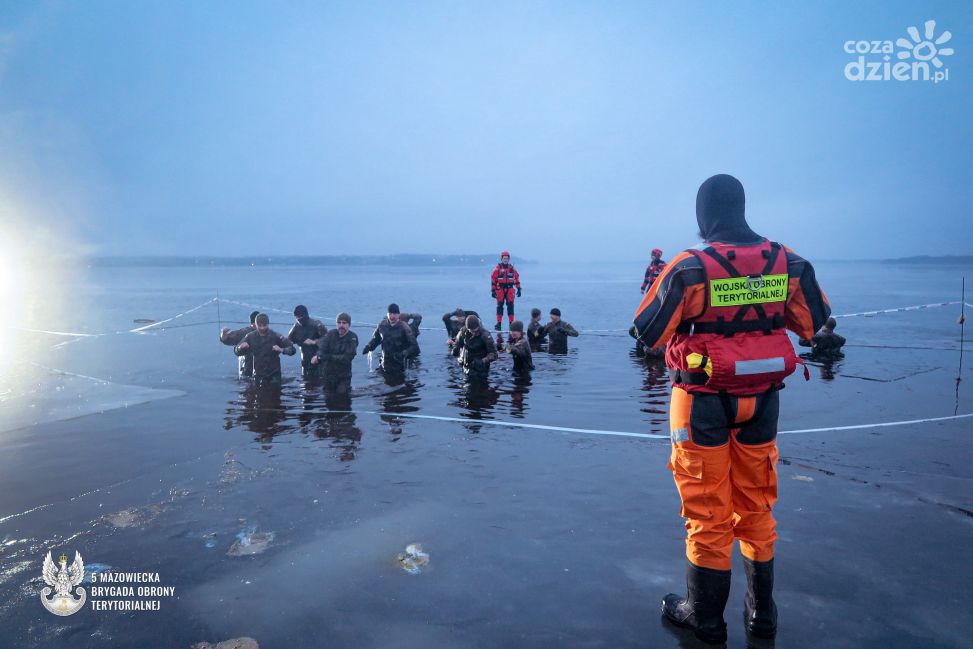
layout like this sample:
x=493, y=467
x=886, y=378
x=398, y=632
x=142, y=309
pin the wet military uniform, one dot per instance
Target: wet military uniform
x=397, y=342
x=335, y=354
x=310, y=329
x=413, y=320
x=266, y=362
x=476, y=351
x=825, y=345
x=234, y=338
x=520, y=352
x=536, y=334
x=557, y=335
x=454, y=321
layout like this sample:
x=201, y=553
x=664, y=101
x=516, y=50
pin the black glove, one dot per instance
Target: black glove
x=518, y=292
x=364, y=351
x=493, y=293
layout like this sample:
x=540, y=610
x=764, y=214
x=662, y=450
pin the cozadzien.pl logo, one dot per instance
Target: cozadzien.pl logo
x=920, y=57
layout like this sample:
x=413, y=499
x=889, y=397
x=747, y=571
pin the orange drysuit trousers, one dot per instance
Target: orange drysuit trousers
x=726, y=475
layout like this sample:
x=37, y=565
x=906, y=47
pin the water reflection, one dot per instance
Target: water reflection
x=260, y=410
x=828, y=366
x=398, y=392
x=341, y=427
x=520, y=388
x=654, y=390
x=473, y=397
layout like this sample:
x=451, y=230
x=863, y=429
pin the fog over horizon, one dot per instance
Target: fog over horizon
x=555, y=130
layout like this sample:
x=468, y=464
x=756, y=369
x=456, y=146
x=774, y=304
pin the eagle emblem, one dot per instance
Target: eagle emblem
x=63, y=580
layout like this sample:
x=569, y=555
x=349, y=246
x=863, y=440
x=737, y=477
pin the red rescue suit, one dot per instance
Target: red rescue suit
x=653, y=270
x=504, y=286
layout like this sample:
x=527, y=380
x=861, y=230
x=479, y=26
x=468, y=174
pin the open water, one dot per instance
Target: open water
x=276, y=519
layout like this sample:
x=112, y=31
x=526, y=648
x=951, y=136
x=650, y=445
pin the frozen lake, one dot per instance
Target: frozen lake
x=276, y=519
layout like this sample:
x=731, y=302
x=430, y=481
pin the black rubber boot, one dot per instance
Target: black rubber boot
x=760, y=612
x=702, y=608
x=498, y=327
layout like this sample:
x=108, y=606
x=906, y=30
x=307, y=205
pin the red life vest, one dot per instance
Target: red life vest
x=505, y=276
x=655, y=268
x=740, y=333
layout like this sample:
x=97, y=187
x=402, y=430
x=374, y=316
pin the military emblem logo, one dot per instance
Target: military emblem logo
x=63, y=580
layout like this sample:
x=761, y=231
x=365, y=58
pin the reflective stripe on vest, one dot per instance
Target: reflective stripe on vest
x=759, y=366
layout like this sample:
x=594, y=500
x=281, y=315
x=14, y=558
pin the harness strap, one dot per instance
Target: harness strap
x=688, y=378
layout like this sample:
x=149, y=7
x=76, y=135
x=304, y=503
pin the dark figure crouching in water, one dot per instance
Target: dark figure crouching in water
x=826, y=344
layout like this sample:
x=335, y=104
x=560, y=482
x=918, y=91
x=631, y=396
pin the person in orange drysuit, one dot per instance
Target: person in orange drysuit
x=503, y=283
x=723, y=307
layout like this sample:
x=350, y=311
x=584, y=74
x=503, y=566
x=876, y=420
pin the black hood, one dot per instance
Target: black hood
x=721, y=213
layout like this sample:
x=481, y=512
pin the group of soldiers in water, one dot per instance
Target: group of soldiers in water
x=326, y=355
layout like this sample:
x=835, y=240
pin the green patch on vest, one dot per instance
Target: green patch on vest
x=755, y=289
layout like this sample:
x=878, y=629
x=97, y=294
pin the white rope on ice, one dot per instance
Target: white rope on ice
x=517, y=424
x=54, y=370
x=618, y=433
x=899, y=309
x=262, y=309
x=875, y=425
x=139, y=330
x=70, y=334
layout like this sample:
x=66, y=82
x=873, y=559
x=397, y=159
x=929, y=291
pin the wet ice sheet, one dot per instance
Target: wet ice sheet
x=539, y=537
x=36, y=395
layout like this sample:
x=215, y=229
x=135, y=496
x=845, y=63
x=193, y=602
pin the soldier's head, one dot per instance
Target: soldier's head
x=343, y=322
x=535, y=314
x=459, y=313
x=516, y=330
x=555, y=314
x=253, y=316
x=504, y=257
x=472, y=323
x=721, y=213
x=830, y=324
x=656, y=253
x=301, y=314
x=263, y=323
x=393, y=313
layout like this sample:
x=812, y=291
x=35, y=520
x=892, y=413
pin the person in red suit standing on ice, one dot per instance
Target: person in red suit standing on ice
x=504, y=283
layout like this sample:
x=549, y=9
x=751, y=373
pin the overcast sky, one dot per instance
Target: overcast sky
x=553, y=129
